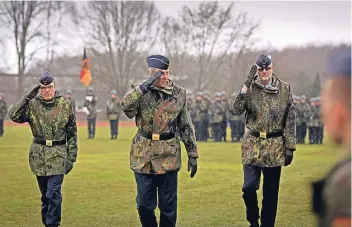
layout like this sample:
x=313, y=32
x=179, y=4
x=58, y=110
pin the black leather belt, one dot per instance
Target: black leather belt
x=151, y=136
x=265, y=135
x=49, y=143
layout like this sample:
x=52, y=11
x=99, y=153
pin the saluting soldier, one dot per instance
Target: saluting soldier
x=159, y=107
x=54, y=148
x=270, y=137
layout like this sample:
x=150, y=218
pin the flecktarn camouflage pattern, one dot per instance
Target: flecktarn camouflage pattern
x=268, y=109
x=160, y=110
x=49, y=120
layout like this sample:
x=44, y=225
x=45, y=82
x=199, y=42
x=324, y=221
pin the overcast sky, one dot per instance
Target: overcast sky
x=285, y=23
x=282, y=23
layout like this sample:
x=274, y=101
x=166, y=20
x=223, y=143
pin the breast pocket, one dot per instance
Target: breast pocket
x=171, y=110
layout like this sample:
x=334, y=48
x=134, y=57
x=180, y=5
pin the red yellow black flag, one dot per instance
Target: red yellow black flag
x=85, y=76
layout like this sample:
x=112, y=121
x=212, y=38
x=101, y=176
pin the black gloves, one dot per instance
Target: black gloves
x=149, y=81
x=31, y=95
x=288, y=157
x=192, y=165
x=250, y=76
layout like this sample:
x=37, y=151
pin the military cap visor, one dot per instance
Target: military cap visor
x=46, y=79
x=263, y=61
x=158, y=61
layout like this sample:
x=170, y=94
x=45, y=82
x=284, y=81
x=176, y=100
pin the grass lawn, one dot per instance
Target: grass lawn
x=100, y=191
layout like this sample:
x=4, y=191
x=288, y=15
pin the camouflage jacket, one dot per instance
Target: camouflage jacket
x=268, y=109
x=3, y=109
x=302, y=113
x=199, y=110
x=205, y=109
x=226, y=112
x=332, y=195
x=49, y=120
x=159, y=111
x=218, y=112
x=92, y=107
x=315, y=118
x=113, y=109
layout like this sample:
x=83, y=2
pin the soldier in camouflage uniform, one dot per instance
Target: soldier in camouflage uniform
x=270, y=138
x=90, y=108
x=199, y=110
x=218, y=118
x=332, y=194
x=235, y=124
x=113, y=110
x=206, y=115
x=224, y=123
x=159, y=107
x=68, y=96
x=315, y=123
x=54, y=147
x=3, y=112
x=320, y=129
x=302, y=117
x=311, y=122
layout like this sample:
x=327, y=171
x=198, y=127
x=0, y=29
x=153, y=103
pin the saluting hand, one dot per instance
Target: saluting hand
x=150, y=80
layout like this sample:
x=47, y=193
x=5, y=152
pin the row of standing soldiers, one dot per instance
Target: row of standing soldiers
x=211, y=117
x=308, y=119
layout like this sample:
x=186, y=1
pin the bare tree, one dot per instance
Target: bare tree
x=25, y=20
x=209, y=33
x=120, y=34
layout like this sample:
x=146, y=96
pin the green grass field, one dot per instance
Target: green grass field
x=100, y=191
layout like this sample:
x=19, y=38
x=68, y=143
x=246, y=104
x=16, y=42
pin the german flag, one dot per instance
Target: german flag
x=85, y=76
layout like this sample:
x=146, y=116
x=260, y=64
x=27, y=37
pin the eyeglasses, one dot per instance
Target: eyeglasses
x=262, y=69
x=47, y=88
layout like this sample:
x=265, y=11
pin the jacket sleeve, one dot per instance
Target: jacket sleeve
x=71, y=132
x=238, y=104
x=290, y=125
x=130, y=102
x=19, y=113
x=187, y=132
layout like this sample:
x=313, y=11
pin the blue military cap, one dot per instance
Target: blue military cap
x=46, y=79
x=263, y=61
x=340, y=64
x=158, y=61
x=114, y=92
x=217, y=94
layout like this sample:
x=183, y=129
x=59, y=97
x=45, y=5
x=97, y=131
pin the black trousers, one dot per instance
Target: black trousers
x=198, y=130
x=235, y=130
x=271, y=183
x=50, y=188
x=1, y=127
x=149, y=188
x=218, y=131
x=91, y=127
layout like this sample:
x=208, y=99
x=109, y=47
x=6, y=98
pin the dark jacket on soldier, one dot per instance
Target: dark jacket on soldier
x=159, y=111
x=49, y=120
x=268, y=109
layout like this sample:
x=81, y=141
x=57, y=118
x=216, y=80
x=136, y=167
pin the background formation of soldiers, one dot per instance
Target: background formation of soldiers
x=210, y=117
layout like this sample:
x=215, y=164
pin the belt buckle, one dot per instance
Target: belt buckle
x=49, y=143
x=263, y=135
x=155, y=137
